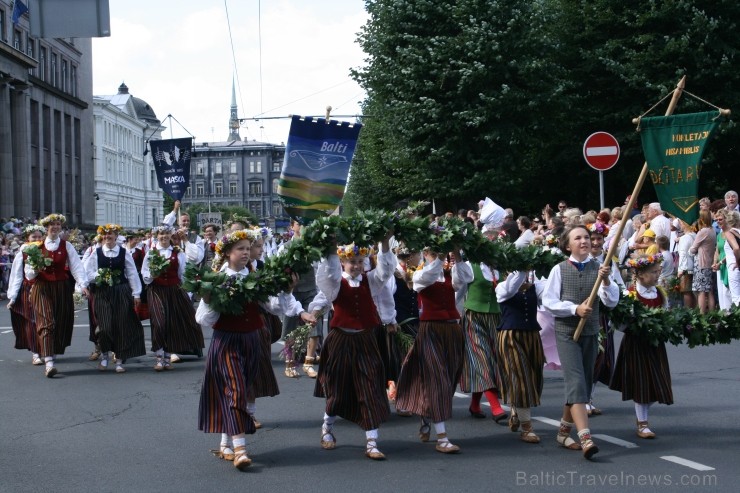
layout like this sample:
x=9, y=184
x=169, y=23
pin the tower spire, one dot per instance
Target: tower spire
x=233, y=118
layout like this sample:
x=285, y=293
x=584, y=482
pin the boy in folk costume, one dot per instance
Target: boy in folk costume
x=351, y=373
x=641, y=372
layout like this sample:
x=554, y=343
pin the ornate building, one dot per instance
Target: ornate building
x=238, y=172
x=126, y=189
x=45, y=124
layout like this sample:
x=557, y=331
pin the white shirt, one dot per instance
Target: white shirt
x=167, y=253
x=510, y=286
x=524, y=239
x=91, y=268
x=329, y=275
x=661, y=225
x=609, y=295
x=73, y=261
x=282, y=304
x=193, y=251
x=15, y=278
x=685, y=258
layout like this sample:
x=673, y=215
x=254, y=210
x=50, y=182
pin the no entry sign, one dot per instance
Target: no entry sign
x=601, y=151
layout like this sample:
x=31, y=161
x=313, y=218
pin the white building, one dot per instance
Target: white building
x=126, y=189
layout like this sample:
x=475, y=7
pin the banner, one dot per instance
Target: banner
x=172, y=163
x=673, y=147
x=209, y=218
x=317, y=161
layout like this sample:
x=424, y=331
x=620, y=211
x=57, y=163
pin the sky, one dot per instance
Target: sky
x=177, y=56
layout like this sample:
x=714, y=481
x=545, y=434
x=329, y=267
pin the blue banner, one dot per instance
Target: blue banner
x=317, y=161
x=172, y=163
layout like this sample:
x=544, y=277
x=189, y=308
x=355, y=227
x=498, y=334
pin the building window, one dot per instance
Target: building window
x=53, y=70
x=219, y=187
x=256, y=208
x=199, y=189
x=232, y=188
x=219, y=167
x=255, y=189
x=73, y=81
x=42, y=63
x=30, y=43
x=251, y=166
x=2, y=25
x=275, y=184
x=277, y=209
x=259, y=166
x=17, y=40
x=64, y=75
x=233, y=167
x=200, y=168
x=277, y=166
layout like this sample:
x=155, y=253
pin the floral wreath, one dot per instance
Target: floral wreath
x=402, y=249
x=31, y=228
x=163, y=229
x=109, y=228
x=644, y=261
x=598, y=228
x=231, y=239
x=51, y=218
x=259, y=233
x=346, y=252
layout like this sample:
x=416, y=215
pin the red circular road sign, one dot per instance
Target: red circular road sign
x=601, y=151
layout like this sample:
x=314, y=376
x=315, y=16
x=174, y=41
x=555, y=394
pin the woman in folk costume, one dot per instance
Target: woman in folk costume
x=351, y=373
x=96, y=241
x=231, y=363
x=641, y=372
x=51, y=294
x=432, y=367
x=174, y=328
x=566, y=296
x=520, y=354
x=117, y=289
x=19, y=304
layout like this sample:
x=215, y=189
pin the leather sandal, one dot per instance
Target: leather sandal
x=445, y=446
x=514, y=423
x=36, y=361
x=50, y=371
x=564, y=439
x=527, y=434
x=328, y=442
x=372, y=451
x=424, y=430
x=643, y=431
x=241, y=460
x=103, y=365
x=159, y=365
x=257, y=424
x=308, y=368
x=588, y=446
x=224, y=452
x=94, y=355
x=290, y=370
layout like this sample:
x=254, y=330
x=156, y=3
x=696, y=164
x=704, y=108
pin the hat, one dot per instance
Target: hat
x=677, y=223
x=649, y=233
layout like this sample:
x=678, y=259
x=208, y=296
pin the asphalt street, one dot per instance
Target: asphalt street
x=86, y=430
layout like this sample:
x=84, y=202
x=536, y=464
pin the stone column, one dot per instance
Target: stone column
x=21, y=148
x=7, y=203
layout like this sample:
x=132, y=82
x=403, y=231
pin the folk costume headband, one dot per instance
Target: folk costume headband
x=52, y=218
x=351, y=251
x=644, y=261
x=109, y=228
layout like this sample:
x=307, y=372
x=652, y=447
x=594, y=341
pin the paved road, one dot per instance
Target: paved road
x=100, y=432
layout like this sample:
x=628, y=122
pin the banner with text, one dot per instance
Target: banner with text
x=172, y=163
x=318, y=156
x=673, y=147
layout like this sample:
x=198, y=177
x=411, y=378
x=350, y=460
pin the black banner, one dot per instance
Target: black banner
x=172, y=162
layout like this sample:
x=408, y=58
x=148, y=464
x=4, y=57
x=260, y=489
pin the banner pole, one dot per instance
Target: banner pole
x=638, y=187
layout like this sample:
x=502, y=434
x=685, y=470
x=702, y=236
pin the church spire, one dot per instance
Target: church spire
x=233, y=118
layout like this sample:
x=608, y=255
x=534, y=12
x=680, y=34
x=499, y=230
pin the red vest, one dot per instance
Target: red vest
x=57, y=271
x=169, y=277
x=437, y=302
x=354, y=308
x=248, y=321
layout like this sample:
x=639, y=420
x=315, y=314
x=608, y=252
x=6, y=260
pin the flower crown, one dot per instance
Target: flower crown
x=598, y=228
x=402, y=249
x=163, y=229
x=109, y=228
x=31, y=228
x=259, y=233
x=231, y=239
x=51, y=218
x=643, y=261
x=351, y=251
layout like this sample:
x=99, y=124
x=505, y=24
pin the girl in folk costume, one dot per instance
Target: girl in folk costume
x=351, y=373
x=642, y=373
x=482, y=315
x=19, y=304
x=51, y=294
x=117, y=289
x=433, y=366
x=566, y=296
x=96, y=242
x=520, y=354
x=233, y=355
x=174, y=328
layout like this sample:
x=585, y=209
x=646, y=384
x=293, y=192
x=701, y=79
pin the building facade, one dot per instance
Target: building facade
x=46, y=161
x=126, y=188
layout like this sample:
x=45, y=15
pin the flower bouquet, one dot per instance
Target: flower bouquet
x=107, y=277
x=158, y=263
x=36, y=258
x=296, y=343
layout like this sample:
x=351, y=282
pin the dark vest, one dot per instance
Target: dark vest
x=57, y=271
x=438, y=301
x=113, y=263
x=354, y=308
x=576, y=287
x=405, y=299
x=520, y=311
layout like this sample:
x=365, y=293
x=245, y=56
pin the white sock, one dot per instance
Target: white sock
x=119, y=362
x=641, y=411
x=439, y=428
x=49, y=360
x=159, y=353
x=224, y=440
x=372, y=434
x=329, y=421
x=239, y=442
x=35, y=355
x=584, y=432
x=251, y=407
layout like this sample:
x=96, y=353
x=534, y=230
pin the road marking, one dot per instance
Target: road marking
x=616, y=441
x=548, y=421
x=6, y=331
x=687, y=463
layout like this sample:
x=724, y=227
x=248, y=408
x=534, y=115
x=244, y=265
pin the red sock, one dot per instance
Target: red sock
x=492, y=396
x=475, y=401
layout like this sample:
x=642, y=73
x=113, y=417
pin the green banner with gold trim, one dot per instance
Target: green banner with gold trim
x=674, y=146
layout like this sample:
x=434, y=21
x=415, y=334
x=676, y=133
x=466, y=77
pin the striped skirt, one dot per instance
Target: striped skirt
x=604, y=366
x=54, y=312
x=22, y=320
x=120, y=328
x=520, y=363
x=390, y=352
x=431, y=370
x=172, y=317
x=641, y=372
x=230, y=368
x=91, y=317
x=351, y=377
x=264, y=383
x=479, y=365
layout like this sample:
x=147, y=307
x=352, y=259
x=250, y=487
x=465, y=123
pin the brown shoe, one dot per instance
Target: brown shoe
x=372, y=451
x=50, y=371
x=588, y=446
x=527, y=434
x=328, y=442
x=241, y=460
x=445, y=446
x=308, y=368
x=643, y=431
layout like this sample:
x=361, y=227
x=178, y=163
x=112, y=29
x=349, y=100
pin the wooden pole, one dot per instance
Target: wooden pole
x=638, y=187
